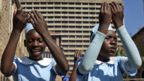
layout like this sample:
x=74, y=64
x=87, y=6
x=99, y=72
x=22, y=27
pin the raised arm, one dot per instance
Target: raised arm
x=134, y=59
x=95, y=46
x=76, y=58
x=41, y=27
x=7, y=66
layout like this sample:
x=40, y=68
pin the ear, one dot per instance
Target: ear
x=25, y=43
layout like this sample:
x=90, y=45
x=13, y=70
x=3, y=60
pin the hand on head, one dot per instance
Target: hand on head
x=33, y=17
x=19, y=20
x=38, y=21
x=117, y=14
x=105, y=14
x=110, y=12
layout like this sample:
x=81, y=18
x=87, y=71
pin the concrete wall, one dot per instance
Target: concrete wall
x=5, y=23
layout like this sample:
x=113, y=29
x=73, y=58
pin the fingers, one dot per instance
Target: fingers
x=35, y=17
x=112, y=6
x=35, y=13
x=102, y=7
x=115, y=7
x=26, y=16
x=21, y=16
x=39, y=15
x=105, y=6
x=78, y=53
x=19, y=10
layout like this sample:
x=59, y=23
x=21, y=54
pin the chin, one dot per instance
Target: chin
x=36, y=54
x=112, y=54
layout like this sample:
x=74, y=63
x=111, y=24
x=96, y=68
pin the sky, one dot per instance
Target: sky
x=134, y=15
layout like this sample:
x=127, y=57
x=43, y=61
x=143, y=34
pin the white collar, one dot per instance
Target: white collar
x=111, y=61
x=27, y=61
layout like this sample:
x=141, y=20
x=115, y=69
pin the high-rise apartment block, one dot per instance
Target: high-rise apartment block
x=71, y=19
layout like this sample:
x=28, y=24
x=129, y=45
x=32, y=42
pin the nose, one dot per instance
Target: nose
x=35, y=43
x=113, y=41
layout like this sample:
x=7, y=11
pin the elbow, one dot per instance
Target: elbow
x=7, y=73
x=138, y=63
x=65, y=69
x=84, y=69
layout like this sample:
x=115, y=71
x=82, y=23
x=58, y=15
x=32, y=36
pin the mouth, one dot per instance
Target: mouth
x=36, y=51
x=113, y=50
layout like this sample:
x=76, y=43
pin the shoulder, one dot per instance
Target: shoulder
x=117, y=59
x=121, y=58
x=47, y=61
x=26, y=61
x=23, y=60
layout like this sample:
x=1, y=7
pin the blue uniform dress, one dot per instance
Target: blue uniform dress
x=65, y=78
x=29, y=70
x=90, y=69
x=108, y=71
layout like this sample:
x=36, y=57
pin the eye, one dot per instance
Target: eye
x=29, y=41
x=40, y=40
x=108, y=37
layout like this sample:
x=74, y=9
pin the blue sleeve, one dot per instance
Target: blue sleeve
x=65, y=78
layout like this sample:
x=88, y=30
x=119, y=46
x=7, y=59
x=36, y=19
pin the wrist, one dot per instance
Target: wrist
x=103, y=28
x=16, y=31
x=118, y=24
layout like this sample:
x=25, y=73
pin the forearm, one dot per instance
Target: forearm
x=91, y=53
x=73, y=74
x=9, y=53
x=56, y=52
x=130, y=47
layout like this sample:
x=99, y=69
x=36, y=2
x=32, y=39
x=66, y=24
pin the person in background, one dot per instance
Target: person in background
x=99, y=62
x=33, y=67
x=77, y=58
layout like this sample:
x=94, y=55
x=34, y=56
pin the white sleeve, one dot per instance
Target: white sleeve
x=91, y=53
x=15, y=64
x=15, y=67
x=134, y=59
x=54, y=64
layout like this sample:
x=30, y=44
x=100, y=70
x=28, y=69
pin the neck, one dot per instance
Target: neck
x=103, y=58
x=36, y=59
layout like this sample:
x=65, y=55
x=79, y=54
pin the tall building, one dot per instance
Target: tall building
x=72, y=19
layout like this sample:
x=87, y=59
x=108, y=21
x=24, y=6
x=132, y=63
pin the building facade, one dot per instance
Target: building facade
x=72, y=19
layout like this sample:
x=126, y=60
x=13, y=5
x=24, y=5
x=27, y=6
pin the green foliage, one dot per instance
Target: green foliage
x=120, y=51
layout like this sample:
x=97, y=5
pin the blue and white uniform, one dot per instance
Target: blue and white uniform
x=90, y=69
x=108, y=71
x=30, y=70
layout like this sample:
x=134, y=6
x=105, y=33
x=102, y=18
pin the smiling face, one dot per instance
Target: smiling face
x=110, y=45
x=35, y=45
